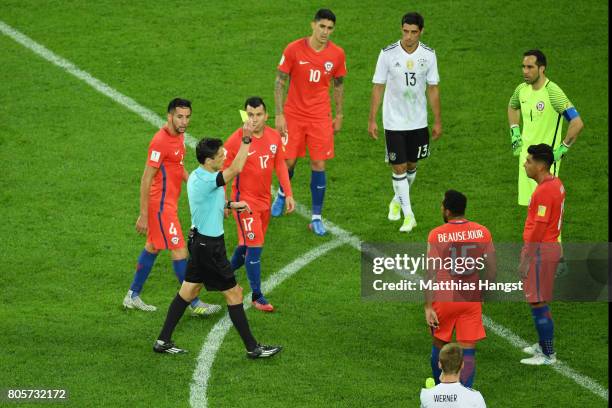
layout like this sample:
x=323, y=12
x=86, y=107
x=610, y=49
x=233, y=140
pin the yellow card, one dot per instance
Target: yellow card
x=243, y=115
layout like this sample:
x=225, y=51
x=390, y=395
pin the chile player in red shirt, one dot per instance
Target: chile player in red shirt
x=541, y=249
x=305, y=119
x=470, y=247
x=160, y=189
x=253, y=185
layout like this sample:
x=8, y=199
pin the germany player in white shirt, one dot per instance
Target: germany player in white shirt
x=450, y=393
x=407, y=73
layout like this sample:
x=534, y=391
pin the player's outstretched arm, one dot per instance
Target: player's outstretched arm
x=145, y=188
x=241, y=157
x=279, y=100
x=433, y=95
x=377, y=95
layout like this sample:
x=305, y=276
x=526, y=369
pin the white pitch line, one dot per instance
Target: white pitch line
x=560, y=367
x=345, y=236
x=198, y=396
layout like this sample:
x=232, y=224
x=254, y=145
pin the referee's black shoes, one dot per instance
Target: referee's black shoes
x=167, y=347
x=262, y=351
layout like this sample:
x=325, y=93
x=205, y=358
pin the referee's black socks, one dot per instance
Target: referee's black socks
x=175, y=312
x=239, y=319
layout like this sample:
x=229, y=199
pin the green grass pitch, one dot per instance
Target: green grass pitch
x=71, y=166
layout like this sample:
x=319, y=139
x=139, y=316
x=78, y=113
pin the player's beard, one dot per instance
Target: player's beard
x=531, y=82
x=178, y=129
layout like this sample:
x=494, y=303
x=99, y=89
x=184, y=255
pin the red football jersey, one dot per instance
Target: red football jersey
x=461, y=247
x=254, y=182
x=166, y=153
x=311, y=73
x=546, y=205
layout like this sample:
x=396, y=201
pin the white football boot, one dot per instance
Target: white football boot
x=409, y=223
x=395, y=210
x=540, y=359
x=204, y=309
x=533, y=349
x=136, y=302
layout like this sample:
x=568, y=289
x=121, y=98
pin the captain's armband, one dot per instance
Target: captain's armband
x=570, y=113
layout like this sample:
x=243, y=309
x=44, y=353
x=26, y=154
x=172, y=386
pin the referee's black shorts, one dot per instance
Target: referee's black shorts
x=208, y=263
x=407, y=145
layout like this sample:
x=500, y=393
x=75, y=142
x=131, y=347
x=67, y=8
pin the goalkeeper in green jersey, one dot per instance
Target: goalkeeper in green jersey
x=542, y=106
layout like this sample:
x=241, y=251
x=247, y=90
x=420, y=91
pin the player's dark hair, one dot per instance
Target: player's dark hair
x=455, y=202
x=540, y=57
x=254, y=102
x=207, y=148
x=325, y=14
x=542, y=153
x=178, y=103
x=451, y=357
x=413, y=18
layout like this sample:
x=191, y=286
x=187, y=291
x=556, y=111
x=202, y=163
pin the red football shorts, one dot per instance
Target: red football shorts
x=540, y=281
x=252, y=227
x=318, y=136
x=463, y=317
x=164, y=229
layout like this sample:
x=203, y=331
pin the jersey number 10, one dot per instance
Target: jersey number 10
x=315, y=75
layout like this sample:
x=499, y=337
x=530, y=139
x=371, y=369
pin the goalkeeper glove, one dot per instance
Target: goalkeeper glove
x=560, y=151
x=515, y=138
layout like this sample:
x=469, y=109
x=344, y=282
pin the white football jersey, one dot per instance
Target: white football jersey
x=406, y=77
x=451, y=395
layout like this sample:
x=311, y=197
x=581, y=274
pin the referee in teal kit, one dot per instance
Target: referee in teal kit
x=208, y=264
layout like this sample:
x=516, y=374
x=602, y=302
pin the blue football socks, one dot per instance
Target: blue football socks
x=143, y=269
x=435, y=370
x=545, y=327
x=317, y=190
x=180, y=269
x=238, y=257
x=253, y=269
x=469, y=367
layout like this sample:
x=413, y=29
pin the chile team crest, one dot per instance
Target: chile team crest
x=328, y=66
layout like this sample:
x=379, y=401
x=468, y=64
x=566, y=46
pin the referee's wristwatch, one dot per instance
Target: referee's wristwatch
x=229, y=204
x=246, y=139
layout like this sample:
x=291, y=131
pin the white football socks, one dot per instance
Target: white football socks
x=402, y=192
x=411, y=175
